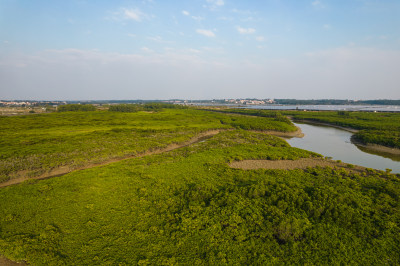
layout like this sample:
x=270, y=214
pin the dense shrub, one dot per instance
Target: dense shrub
x=76, y=107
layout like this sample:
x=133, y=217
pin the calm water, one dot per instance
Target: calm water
x=335, y=143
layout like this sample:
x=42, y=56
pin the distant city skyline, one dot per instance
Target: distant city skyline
x=199, y=49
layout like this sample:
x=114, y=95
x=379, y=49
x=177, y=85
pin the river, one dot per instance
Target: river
x=336, y=143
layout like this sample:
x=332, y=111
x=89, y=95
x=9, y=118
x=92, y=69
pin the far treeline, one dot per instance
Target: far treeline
x=336, y=102
x=128, y=108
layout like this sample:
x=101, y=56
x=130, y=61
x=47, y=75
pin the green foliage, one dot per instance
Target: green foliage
x=262, y=120
x=188, y=207
x=76, y=107
x=257, y=123
x=278, y=116
x=381, y=137
x=343, y=113
x=130, y=108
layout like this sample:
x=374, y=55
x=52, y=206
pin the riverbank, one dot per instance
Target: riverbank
x=312, y=122
x=373, y=148
x=294, y=134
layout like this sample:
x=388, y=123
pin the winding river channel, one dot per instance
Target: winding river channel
x=336, y=143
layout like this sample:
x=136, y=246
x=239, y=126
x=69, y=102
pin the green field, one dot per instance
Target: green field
x=186, y=206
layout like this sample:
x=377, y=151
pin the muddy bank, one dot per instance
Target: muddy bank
x=302, y=163
x=295, y=134
x=22, y=176
x=375, y=148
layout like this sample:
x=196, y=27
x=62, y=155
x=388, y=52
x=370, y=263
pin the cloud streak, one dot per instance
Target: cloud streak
x=245, y=30
x=207, y=33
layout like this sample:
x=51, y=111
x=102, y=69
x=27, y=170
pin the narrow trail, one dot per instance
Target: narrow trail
x=59, y=171
x=7, y=262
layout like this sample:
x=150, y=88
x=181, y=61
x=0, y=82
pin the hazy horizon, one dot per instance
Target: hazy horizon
x=200, y=49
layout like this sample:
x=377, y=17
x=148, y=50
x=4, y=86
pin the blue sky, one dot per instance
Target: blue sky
x=150, y=49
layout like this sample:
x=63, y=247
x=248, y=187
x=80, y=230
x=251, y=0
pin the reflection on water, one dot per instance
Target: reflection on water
x=336, y=143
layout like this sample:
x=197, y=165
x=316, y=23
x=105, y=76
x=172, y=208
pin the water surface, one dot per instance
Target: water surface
x=335, y=143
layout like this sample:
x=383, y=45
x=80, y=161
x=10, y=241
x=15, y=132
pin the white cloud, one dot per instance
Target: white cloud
x=245, y=31
x=198, y=18
x=207, y=33
x=260, y=38
x=186, y=13
x=158, y=39
x=225, y=18
x=134, y=14
x=216, y=2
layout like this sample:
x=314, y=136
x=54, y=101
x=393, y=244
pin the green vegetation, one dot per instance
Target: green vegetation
x=189, y=207
x=76, y=107
x=39, y=143
x=258, y=123
x=130, y=108
x=186, y=206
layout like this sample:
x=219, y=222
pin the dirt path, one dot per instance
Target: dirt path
x=22, y=176
x=7, y=262
x=302, y=163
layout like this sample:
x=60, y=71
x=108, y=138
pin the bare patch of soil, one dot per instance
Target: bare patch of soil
x=62, y=170
x=302, y=163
